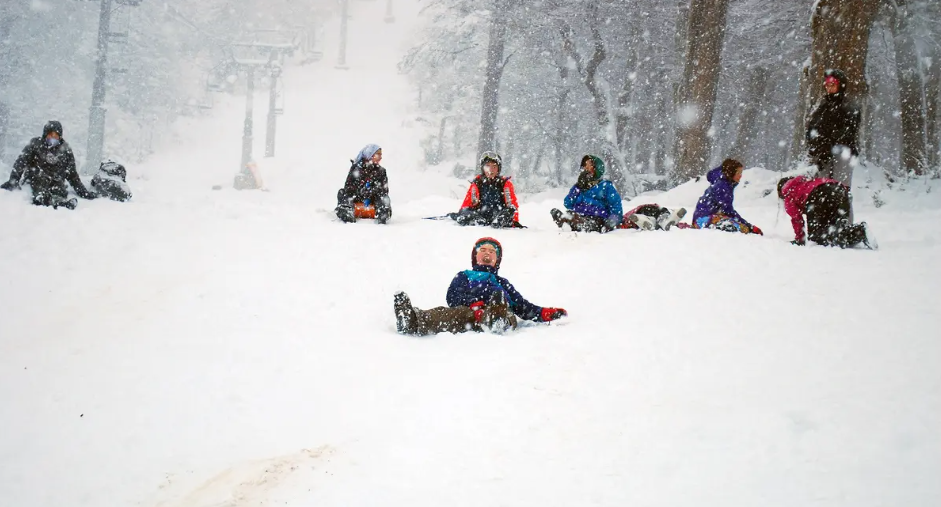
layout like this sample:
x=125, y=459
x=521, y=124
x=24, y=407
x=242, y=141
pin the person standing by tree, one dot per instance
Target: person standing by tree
x=833, y=131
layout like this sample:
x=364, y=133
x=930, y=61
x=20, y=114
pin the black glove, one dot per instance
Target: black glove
x=8, y=186
x=585, y=180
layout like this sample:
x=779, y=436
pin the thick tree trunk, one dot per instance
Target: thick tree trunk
x=697, y=91
x=563, y=123
x=913, y=159
x=754, y=96
x=932, y=107
x=490, y=105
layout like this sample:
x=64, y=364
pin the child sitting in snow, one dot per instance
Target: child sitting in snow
x=366, y=191
x=478, y=299
x=715, y=209
x=592, y=204
x=826, y=202
x=491, y=198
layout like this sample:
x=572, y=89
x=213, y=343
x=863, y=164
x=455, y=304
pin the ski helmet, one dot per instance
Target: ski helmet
x=491, y=156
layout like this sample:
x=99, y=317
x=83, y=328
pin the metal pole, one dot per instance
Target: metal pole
x=272, y=117
x=389, y=17
x=344, y=13
x=247, y=134
x=96, y=113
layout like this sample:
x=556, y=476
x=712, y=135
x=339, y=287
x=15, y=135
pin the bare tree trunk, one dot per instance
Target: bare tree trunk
x=589, y=73
x=7, y=17
x=625, y=98
x=490, y=105
x=697, y=92
x=757, y=84
x=562, y=122
x=910, y=92
x=932, y=106
x=804, y=100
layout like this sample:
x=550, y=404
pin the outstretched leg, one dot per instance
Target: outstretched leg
x=413, y=321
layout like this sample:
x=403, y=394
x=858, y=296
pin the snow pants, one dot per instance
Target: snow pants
x=828, y=217
x=417, y=322
x=494, y=217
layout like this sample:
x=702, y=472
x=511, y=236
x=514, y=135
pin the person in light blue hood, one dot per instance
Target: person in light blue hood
x=715, y=209
x=366, y=191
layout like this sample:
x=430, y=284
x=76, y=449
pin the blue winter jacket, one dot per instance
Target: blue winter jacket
x=473, y=285
x=718, y=198
x=601, y=200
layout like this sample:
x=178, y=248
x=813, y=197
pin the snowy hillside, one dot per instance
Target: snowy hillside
x=201, y=348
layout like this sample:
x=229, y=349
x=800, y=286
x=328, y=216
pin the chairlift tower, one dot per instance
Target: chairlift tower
x=344, y=16
x=96, y=113
x=255, y=55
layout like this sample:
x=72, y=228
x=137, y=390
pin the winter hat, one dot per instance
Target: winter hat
x=781, y=184
x=599, y=165
x=490, y=156
x=488, y=240
x=52, y=126
x=839, y=76
x=367, y=152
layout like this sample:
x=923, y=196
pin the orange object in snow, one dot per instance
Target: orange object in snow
x=360, y=210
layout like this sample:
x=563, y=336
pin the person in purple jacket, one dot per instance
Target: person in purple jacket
x=477, y=298
x=715, y=209
x=593, y=204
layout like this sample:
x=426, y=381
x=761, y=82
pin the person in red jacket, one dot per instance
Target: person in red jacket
x=491, y=199
x=826, y=202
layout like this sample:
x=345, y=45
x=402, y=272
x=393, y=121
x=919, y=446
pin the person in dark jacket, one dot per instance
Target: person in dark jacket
x=833, y=130
x=715, y=209
x=592, y=204
x=491, y=198
x=366, y=191
x=477, y=299
x=111, y=182
x=47, y=165
x=826, y=203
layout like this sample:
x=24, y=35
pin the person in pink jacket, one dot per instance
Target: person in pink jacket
x=826, y=203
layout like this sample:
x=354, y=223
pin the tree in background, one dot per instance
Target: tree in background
x=696, y=95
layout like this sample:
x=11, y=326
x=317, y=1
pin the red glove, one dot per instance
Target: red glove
x=550, y=314
x=756, y=230
x=478, y=308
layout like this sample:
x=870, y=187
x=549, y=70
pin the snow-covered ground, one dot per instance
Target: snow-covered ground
x=200, y=348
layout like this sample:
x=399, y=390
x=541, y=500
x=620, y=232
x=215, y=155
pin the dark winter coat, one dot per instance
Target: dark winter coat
x=718, y=198
x=478, y=284
x=491, y=195
x=833, y=122
x=366, y=183
x=48, y=169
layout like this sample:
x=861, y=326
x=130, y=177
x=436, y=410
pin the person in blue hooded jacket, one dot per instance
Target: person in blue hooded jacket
x=477, y=299
x=593, y=204
x=716, y=209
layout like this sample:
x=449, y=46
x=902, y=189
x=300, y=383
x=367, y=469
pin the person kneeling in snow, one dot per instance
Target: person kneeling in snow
x=490, y=199
x=478, y=299
x=593, y=204
x=715, y=209
x=826, y=202
x=47, y=165
x=111, y=182
x=366, y=192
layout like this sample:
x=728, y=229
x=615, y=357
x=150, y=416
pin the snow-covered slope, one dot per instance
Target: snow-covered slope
x=220, y=348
